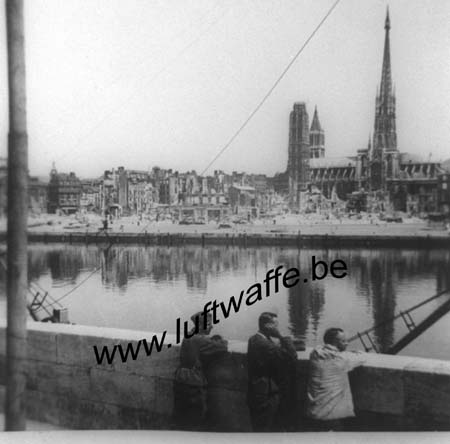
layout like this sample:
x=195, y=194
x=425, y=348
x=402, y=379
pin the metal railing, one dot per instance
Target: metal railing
x=414, y=329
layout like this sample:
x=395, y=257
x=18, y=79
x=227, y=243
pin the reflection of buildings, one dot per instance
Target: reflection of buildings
x=161, y=263
x=115, y=268
x=383, y=298
x=375, y=276
x=378, y=275
x=443, y=277
x=65, y=267
x=306, y=301
x=388, y=178
x=191, y=263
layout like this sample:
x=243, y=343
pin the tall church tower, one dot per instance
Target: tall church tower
x=384, y=146
x=299, y=153
x=316, y=137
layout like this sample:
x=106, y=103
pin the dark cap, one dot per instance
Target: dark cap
x=199, y=315
x=269, y=313
x=265, y=318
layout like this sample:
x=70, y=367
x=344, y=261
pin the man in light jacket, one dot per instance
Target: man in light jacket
x=329, y=397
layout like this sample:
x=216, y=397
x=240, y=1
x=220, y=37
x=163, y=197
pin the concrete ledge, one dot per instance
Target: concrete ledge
x=66, y=387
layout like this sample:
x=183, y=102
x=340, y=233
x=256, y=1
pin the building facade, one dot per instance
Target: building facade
x=64, y=192
x=378, y=176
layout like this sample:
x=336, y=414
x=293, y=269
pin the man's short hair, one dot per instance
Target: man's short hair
x=331, y=334
x=265, y=318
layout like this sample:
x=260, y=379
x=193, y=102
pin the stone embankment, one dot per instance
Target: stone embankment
x=250, y=239
x=66, y=387
x=284, y=232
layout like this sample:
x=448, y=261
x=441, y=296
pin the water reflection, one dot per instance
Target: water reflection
x=169, y=281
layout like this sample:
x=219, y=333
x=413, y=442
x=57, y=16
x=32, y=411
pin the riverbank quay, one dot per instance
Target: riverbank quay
x=282, y=231
x=67, y=388
x=309, y=237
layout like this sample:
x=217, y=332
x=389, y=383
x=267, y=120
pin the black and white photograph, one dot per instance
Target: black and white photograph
x=225, y=216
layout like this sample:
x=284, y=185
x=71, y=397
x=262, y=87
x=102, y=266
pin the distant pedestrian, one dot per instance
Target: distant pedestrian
x=197, y=353
x=329, y=398
x=271, y=377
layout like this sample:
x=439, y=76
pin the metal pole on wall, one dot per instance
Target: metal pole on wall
x=17, y=282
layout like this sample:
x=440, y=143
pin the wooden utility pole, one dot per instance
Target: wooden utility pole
x=17, y=282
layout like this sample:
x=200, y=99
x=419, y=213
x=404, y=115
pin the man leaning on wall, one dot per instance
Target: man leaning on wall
x=197, y=354
x=271, y=377
x=329, y=397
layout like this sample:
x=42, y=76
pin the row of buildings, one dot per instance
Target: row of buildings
x=124, y=191
x=376, y=178
x=121, y=191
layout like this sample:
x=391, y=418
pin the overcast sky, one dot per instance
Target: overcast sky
x=141, y=83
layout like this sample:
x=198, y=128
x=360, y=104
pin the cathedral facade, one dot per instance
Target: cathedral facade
x=390, y=179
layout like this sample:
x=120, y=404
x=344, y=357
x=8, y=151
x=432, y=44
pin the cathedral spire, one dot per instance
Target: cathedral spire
x=316, y=137
x=386, y=77
x=385, y=133
x=315, y=126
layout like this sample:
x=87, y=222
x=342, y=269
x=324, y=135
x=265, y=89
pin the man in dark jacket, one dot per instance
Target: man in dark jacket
x=197, y=354
x=271, y=377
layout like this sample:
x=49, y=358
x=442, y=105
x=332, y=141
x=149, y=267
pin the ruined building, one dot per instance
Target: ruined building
x=398, y=181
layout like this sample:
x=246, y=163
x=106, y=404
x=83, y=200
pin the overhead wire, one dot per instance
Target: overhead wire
x=268, y=94
x=164, y=68
x=235, y=135
x=104, y=251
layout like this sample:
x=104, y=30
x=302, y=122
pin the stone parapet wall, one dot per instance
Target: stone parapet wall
x=67, y=387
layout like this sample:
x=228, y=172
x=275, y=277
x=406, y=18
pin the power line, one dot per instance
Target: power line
x=105, y=251
x=78, y=285
x=240, y=128
x=261, y=103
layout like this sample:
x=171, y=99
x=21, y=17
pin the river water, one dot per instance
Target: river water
x=148, y=288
